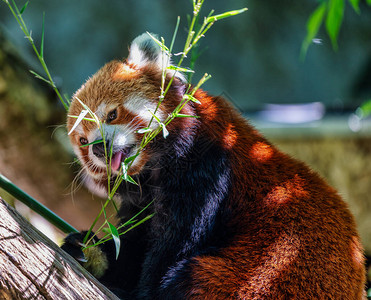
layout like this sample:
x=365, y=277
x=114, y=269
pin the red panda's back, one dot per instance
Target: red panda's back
x=293, y=236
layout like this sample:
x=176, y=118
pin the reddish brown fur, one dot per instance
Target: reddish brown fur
x=293, y=236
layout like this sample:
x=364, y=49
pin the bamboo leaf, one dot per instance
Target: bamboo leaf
x=83, y=113
x=314, y=23
x=130, y=158
x=23, y=8
x=40, y=77
x=365, y=109
x=129, y=179
x=86, y=119
x=225, y=15
x=174, y=34
x=165, y=132
x=161, y=44
x=185, y=116
x=204, y=78
x=116, y=238
x=132, y=219
x=42, y=38
x=125, y=176
x=106, y=230
x=175, y=68
x=334, y=19
x=144, y=130
x=66, y=99
x=154, y=116
x=92, y=143
x=138, y=223
x=355, y=5
x=92, y=114
x=193, y=99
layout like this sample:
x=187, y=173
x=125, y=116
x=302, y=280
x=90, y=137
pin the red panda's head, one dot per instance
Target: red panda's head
x=121, y=94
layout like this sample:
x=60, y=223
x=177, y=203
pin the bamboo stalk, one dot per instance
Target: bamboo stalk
x=36, y=206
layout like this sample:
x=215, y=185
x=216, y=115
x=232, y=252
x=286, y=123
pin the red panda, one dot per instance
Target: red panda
x=235, y=218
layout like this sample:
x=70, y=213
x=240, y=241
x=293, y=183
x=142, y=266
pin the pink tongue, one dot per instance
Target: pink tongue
x=116, y=161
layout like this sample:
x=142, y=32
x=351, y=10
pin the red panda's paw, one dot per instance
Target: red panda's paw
x=92, y=259
x=73, y=244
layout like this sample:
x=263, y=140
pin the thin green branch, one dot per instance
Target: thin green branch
x=40, y=54
x=36, y=206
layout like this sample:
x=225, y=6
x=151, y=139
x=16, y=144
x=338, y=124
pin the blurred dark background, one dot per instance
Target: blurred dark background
x=306, y=107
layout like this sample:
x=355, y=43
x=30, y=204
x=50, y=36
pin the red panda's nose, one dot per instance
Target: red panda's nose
x=98, y=149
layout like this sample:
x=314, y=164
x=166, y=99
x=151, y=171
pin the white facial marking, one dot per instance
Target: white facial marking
x=143, y=108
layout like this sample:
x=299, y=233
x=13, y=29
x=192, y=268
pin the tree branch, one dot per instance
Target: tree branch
x=33, y=267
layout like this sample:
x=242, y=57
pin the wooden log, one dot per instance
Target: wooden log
x=33, y=267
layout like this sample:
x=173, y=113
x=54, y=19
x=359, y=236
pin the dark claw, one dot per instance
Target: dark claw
x=73, y=245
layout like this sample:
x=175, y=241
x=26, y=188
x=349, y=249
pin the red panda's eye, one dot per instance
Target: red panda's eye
x=112, y=116
x=83, y=141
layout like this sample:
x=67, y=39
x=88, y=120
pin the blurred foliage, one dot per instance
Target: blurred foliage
x=364, y=110
x=332, y=12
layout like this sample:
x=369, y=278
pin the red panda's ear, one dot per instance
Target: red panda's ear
x=144, y=50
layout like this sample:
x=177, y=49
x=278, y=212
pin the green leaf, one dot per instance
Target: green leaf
x=225, y=15
x=365, y=109
x=193, y=99
x=180, y=69
x=91, y=113
x=125, y=176
x=86, y=119
x=174, y=34
x=130, y=159
x=144, y=130
x=165, y=132
x=23, y=8
x=355, y=5
x=92, y=143
x=153, y=115
x=314, y=23
x=42, y=38
x=132, y=219
x=185, y=116
x=204, y=78
x=161, y=44
x=40, y=77
x=116, y=238
x=106, y=230
x=138, y=223
x=334, y=19
x=128, y=178
x=369, y=3
x=83, y=113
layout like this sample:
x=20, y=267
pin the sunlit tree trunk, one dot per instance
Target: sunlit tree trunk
x=33, y=267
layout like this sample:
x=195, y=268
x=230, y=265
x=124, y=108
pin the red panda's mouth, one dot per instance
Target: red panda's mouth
x=116, y=161
x=119, y=156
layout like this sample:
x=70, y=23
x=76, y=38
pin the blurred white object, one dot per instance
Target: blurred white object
x=293, y=113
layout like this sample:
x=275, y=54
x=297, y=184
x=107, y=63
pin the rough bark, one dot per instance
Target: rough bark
x=33, y=267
